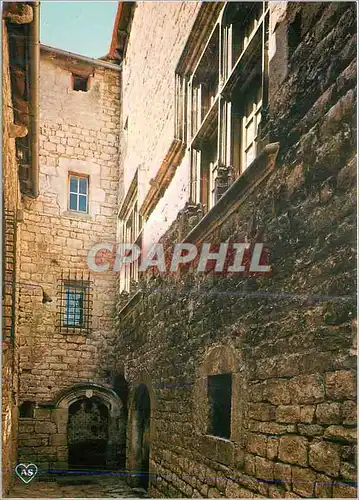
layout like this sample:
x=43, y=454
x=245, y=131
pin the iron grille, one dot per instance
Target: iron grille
x=75, y=302
x=9, y=276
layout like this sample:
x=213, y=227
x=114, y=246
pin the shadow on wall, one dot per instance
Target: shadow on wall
x=120, y=387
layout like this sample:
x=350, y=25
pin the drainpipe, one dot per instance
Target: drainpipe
x=34, y=60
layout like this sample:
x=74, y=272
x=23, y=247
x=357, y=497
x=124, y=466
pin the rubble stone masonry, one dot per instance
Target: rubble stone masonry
x=79, y=134
x=292, y=357
x=11, y=202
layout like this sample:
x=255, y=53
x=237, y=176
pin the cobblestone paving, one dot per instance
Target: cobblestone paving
x=77, y=487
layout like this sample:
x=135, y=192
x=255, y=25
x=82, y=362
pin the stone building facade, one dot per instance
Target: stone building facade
x=63, y=322
x=19, y=141
x=240, y=131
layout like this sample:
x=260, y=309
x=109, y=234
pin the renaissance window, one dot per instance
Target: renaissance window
x=130, y=231
x=250, y=125
x=208, y=173
x=220, y=397
x=181, y=108
x=78, y=193
x=227, y=96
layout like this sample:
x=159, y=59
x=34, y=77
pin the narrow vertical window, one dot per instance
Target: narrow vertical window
x=75, y=303
x=78, y=193
x=181, y=109
x=220, y=403
x=74, y=306
x=250, y=126
x=130, y=231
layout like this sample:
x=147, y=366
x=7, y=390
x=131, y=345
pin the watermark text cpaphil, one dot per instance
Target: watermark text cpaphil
x=224, y=258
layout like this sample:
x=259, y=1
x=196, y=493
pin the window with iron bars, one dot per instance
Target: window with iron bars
x=75, y=302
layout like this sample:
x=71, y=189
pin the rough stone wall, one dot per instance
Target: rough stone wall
x=79, y=134
x=11, y=202
x=295, y=410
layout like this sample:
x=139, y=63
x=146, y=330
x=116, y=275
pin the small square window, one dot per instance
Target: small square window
x=78, y=193
x=220, y=403
x=80, y=83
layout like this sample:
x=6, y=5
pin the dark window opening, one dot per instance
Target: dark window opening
x=26, y=409
x=220, y=396
x=80, y=83
x=294, y=34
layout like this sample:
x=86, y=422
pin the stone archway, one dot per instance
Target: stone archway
x=94, y=413
x=87, y=434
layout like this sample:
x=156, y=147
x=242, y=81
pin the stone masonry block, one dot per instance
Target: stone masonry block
x=340, y=385
x=44, y=427
x=288, y=413
x=307, y=389
x=325, y=457
x=293, y=449
x=328, y=413
x=303, y=481
x=257, y=443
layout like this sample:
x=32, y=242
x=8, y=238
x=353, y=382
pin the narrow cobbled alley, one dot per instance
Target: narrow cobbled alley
x=88, y=486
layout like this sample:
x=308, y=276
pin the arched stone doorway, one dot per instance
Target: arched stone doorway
x=142, y=434
x=87, y=434
x=85, y=415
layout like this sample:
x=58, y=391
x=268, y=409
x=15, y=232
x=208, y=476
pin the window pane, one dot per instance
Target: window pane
x=83, y=185
x=82, y=203
x=250, y=132
x=249, y=157
x=73, y=201
x=73, y=307
x=73, y=184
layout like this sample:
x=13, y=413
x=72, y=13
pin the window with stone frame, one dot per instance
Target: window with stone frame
x=219, y=395
x=227, y=99
x=80, y=83
x=78, y=193
x=75, y=302
x=130, y=231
